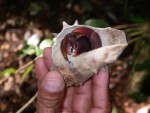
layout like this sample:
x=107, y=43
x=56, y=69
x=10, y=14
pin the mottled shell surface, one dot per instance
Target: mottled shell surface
x=78, y=69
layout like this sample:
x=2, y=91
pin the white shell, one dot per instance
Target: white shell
x=85, y=65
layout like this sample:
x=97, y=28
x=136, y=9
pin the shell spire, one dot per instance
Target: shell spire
x=76, y=23
x=65, y=25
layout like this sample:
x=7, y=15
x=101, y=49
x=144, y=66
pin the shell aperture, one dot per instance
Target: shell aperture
x=79, y=41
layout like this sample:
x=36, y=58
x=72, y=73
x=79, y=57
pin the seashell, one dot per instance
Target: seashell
x=80, y=51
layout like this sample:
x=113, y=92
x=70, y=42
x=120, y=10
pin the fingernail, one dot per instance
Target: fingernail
x=53, y=85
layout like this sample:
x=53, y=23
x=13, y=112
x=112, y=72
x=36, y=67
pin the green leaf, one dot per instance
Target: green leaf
x=86, y=5
x=96, y=23
x=26, y=73
x=28, y=51
x=46, y=43
x=38, y=51
x=143, y=66
x=7, y=72
x=136, y=19
x=138, y=97
x=114, y=110
x=35, y=8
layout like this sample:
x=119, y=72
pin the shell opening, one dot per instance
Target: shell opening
x=79, y=41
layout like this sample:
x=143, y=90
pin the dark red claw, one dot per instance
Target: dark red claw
x=79, y=41
x=63, y=47
x=83, y=30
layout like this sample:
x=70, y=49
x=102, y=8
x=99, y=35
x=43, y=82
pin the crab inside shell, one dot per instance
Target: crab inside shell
x=80, y=51
x=79, y=41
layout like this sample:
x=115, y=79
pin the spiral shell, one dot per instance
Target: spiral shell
x=80, y=51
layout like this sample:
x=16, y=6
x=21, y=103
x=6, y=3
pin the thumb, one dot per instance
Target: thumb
x=50, y=93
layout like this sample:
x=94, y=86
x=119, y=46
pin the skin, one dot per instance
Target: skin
x=54, y=97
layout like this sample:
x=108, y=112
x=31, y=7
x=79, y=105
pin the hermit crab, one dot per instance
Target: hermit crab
x=80, y=51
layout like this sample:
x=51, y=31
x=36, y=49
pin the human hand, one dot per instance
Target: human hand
x=54, y=97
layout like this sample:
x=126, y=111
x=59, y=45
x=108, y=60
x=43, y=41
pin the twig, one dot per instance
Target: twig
x=3, y=80
x=135, y=33
x=28, y=103
x=124, y=26
x=133, y=40
x=25, y=66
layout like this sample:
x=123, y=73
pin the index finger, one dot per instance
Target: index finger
x=47, y=53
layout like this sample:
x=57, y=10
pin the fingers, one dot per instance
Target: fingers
x=47, y=57
x=40, y=68
x=51, y=86
x=67, y=104
x=82, y=98
x=50, y=93
x=101, y=93
x=43, y=64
